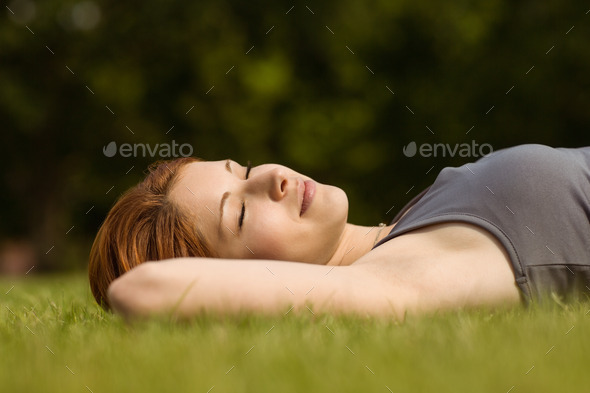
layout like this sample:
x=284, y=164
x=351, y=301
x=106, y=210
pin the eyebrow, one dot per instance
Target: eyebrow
x=224, y=198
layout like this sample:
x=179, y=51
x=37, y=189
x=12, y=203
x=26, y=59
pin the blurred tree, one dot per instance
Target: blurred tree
x=334, y=90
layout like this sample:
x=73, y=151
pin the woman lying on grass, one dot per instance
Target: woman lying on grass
x=509, y=228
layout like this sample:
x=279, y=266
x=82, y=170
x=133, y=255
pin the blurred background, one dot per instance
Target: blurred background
x=334, y=90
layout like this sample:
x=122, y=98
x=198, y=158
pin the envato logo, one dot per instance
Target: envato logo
x=446, y=150
x=164, y=150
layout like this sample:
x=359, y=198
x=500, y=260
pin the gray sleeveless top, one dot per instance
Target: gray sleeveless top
x=534, y=199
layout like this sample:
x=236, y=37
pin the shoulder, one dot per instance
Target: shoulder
x=530, y=157
x=523, y=168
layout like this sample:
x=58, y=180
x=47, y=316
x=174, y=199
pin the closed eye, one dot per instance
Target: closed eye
x=241, y=220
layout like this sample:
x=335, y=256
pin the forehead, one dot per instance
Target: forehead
x=200, y=171
x=198, y=190
x=197, y=182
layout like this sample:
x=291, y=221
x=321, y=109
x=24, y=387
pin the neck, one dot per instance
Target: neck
x=355, y=242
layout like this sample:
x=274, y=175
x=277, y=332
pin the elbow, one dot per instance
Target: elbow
x=127, y=294
x=117, y=296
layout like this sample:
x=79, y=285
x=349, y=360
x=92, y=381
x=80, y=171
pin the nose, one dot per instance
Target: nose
x=273, y=182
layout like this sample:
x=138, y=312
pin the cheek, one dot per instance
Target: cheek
x=268, y=242
x=269, y=238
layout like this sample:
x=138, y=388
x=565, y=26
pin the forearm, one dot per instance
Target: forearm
x=189, y=286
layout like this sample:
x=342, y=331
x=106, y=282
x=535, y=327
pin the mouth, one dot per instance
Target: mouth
x=308, y=194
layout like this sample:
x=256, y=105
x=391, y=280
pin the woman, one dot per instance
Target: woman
x=509, y=228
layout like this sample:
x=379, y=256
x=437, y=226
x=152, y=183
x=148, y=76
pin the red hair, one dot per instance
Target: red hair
x=143, y=225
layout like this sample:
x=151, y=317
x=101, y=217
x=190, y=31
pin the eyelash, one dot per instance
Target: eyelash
x=241, y=221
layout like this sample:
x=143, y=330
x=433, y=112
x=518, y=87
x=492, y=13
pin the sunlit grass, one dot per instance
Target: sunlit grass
x=54, y=338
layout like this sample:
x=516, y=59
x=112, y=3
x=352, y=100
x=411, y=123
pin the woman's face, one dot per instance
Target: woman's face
x=274, y=213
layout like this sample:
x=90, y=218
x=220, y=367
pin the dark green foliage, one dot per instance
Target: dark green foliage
x=300, y=97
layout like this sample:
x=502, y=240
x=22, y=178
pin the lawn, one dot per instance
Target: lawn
x=54, y=338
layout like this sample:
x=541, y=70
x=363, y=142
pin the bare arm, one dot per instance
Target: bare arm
x=184, y=287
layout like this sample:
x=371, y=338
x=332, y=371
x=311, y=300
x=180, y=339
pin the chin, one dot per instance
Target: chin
x=338, y=203
x=332, y=225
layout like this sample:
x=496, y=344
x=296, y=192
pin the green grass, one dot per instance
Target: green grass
x=51, y=323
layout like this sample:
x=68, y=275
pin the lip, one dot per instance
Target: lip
x=308, y=195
